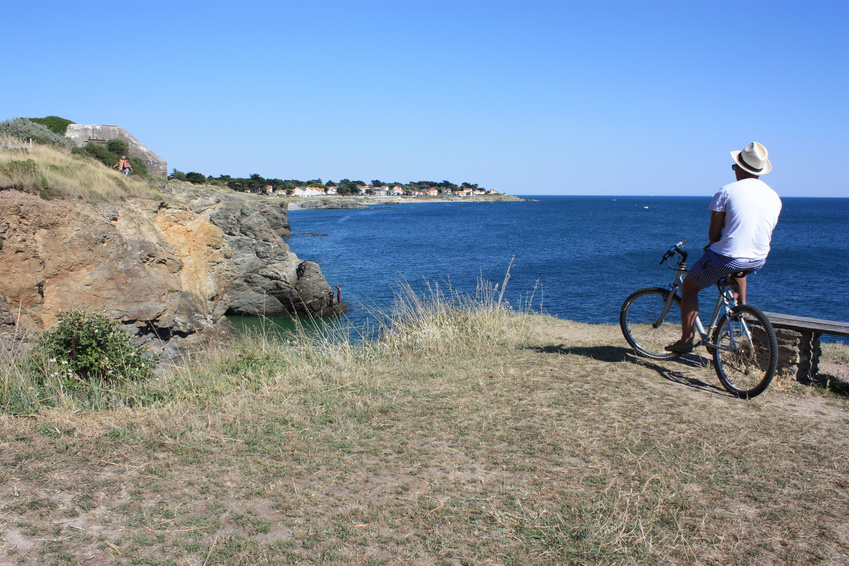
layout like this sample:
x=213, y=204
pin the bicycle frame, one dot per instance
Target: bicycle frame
x=724, y=303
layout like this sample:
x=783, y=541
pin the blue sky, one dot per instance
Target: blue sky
x=528, y=97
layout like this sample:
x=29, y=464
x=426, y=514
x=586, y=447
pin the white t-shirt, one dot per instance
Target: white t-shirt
x=751, y=210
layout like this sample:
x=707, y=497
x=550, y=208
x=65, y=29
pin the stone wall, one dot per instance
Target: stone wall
x=82, y=133
x=798, y=354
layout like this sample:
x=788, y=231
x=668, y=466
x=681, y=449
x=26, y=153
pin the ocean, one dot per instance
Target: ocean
x=572, y=257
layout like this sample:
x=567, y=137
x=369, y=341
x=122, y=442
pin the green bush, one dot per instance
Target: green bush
x=55, y=124
x=25, y=129
x=139, y=167
x=100, y=152
x=118, y=146
x=106, y=154
x=88, y=348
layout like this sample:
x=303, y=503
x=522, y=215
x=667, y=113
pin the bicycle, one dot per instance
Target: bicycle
x=742, y=341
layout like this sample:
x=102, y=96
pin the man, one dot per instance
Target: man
x=743, y=216
x=124, y=166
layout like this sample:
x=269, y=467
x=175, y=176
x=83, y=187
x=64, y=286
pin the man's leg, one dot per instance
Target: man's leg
x=689, y=308
x=740, y=284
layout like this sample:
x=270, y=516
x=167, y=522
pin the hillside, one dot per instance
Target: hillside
x=53, y=172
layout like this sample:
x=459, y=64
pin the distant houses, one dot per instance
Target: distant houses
x=381, y=191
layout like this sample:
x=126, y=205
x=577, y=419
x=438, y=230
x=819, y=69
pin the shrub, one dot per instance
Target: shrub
x=101, y=153
x=139, y=167
x=89, y=348
x=55, y=124
x=118, y=146
x=25, y=129
x=106, y=154
x=196, y=178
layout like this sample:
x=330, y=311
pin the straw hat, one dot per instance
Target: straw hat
x=753, y=159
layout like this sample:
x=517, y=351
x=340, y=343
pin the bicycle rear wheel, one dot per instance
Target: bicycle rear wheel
x=642, y=325
x=746, y=352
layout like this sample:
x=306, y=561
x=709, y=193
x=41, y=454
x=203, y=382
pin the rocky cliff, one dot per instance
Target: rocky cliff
x=168, y=269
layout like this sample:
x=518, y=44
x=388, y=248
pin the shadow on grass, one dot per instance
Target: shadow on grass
x=602, y=353
x=830, y=383
x=682, y=377
x=619, y=354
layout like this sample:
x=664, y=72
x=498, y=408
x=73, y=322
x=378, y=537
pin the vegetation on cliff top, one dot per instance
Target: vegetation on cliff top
x=50, y=130
x=55, y=171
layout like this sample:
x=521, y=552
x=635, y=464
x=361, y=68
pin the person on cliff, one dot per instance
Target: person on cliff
x=124, y=166
x=743, y=216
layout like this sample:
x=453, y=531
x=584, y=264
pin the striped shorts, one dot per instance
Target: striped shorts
x=712, y=267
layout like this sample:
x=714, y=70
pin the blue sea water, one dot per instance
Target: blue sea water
x=577, y=257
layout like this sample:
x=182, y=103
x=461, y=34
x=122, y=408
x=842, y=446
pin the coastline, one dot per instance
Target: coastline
x=354, y=202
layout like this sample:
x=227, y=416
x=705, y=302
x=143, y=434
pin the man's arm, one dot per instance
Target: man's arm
x=717, y=221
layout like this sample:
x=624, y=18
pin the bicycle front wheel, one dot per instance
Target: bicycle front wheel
x=644, y=325
x=745, y=355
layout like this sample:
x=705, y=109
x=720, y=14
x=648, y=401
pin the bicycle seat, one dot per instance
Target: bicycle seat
x=725, y=279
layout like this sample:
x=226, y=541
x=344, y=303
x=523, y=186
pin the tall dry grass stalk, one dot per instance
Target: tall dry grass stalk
x=443, y=320
x=55, y=172
x=317, y=354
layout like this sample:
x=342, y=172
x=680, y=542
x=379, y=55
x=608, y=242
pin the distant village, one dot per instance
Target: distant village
x=382, y=191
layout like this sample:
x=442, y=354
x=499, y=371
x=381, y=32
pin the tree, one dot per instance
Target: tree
x=195, y=178
x=254, y=184
x=347, y=187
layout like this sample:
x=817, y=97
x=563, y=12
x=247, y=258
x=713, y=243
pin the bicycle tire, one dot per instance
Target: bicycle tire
x=638, y=319
x=748, y=370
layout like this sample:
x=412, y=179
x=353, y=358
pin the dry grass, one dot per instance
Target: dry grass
x=55, y=173
x=468, y=435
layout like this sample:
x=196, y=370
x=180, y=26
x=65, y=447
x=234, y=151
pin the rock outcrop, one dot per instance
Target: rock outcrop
x=169, y=269
x=268, y=279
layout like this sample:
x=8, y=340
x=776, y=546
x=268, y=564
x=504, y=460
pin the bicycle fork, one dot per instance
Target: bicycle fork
x=670, y=297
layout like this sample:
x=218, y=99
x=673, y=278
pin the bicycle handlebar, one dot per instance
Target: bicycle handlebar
x=676, y=248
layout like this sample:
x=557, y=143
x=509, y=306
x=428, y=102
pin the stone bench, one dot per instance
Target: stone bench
x=799, y=342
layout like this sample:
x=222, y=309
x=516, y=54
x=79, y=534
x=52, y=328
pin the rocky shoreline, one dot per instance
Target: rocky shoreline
x=170, y=270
